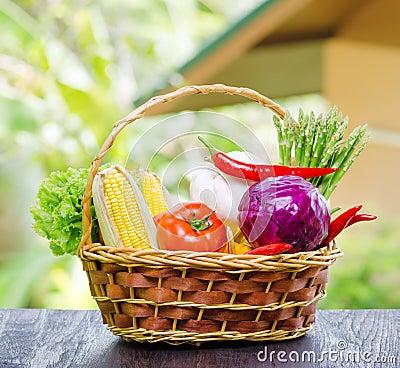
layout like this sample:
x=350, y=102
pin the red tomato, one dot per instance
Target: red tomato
x=190, y=226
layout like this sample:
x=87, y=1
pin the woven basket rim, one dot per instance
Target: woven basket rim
x=210, y=260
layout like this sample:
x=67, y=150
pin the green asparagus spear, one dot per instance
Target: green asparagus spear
x=320, y=143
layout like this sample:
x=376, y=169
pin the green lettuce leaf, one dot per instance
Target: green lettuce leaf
x=57, y=213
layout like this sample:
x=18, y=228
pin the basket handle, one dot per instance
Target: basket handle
x=141, y=111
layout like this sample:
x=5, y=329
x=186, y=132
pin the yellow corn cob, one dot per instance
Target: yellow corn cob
x=154, y=193
x=123, y=215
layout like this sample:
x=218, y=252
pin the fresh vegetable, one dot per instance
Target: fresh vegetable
x=359, y=217
x=57, y=213
x=320, y=142
x=191, y=226
x=236, y=248
x=123, y=215
x=271, y=249
x=257, y=172
x=339, y=223
x=219, y=191
x=285, y=209
x=154, y=193
x=346, y=219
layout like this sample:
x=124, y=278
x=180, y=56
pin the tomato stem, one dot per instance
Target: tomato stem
x=199, y=224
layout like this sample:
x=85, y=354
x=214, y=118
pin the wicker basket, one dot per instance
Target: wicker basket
x=187, y=297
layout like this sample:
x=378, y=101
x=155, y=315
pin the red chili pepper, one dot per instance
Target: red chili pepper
x=258, y=172
x=271, y=249
x=341, y=222
x=361, y=217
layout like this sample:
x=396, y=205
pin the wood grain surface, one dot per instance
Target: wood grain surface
x=67, y=338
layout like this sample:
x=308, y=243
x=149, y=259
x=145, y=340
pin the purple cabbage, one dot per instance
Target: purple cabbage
x=285, y=209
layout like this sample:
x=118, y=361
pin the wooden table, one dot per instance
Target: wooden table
x=67, y=338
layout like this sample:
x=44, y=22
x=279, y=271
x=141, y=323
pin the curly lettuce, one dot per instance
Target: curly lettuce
x=57, y=213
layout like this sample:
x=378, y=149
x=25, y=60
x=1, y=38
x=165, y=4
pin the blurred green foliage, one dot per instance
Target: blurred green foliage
x=68, y=70
x=368, y=274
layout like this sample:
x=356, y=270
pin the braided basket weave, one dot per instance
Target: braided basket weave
x=192, y=297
